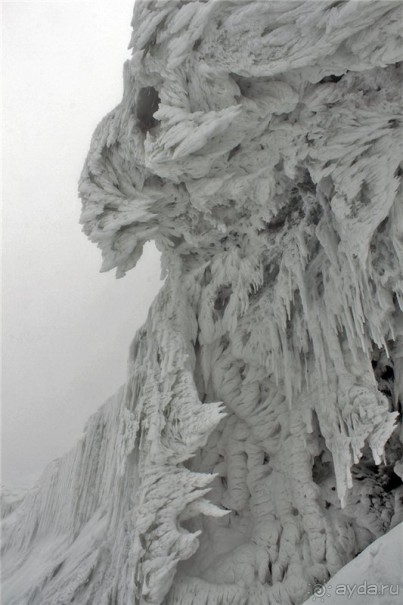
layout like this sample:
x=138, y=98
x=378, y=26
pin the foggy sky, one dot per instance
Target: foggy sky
x=66, y=327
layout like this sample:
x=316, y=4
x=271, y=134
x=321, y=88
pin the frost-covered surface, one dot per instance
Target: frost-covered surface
x=373, y=578
x=256, y=447
x=10, y=497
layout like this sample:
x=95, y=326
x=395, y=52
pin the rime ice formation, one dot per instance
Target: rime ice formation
x=256, y=447
x=374, y=577
x=11, y=497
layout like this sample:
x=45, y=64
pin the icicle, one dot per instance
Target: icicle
x=259, y=144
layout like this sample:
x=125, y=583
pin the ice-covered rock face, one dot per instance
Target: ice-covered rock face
x=255, y=449
x=260, y=144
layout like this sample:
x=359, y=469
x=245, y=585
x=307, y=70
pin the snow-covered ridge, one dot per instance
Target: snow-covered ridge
x=255, y=448
x=11, y=497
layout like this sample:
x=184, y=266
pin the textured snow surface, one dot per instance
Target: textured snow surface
x=11, y=497
x=374, y=578
x=257, y=446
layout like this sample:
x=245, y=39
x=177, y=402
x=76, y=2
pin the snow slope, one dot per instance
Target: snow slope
x=374, y=577
x=256, y=447
x=11, y=497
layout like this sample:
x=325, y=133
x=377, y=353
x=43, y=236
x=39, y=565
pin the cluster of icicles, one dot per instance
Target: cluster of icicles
x=255, y=448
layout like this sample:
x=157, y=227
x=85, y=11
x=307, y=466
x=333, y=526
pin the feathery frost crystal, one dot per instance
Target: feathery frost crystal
x=256, y=448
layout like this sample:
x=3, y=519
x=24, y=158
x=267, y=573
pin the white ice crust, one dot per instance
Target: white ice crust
x=254, y=449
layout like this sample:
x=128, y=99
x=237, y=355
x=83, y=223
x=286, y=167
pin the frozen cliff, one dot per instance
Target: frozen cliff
x=256, y=447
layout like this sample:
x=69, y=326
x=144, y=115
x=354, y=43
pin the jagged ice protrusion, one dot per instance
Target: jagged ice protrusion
x=256, y=447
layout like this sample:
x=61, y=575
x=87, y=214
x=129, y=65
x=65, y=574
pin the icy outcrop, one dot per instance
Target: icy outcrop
x=374, y=577
x=256, y=447
x=11, y=497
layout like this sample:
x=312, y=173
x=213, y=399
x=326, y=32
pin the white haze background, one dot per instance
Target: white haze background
x=66, y=327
